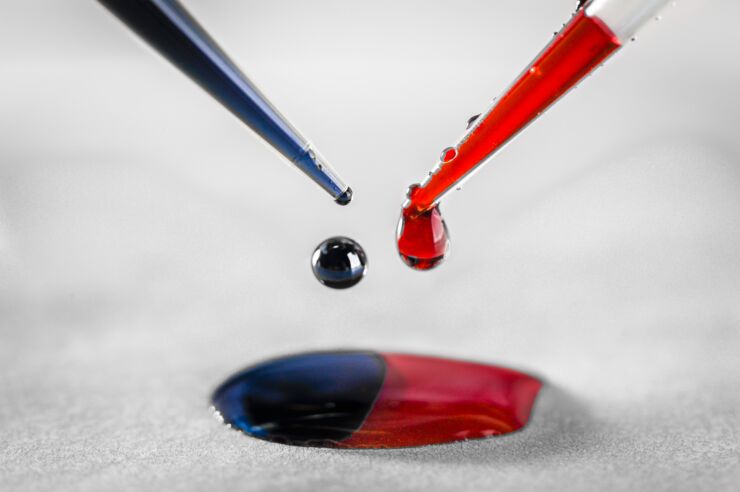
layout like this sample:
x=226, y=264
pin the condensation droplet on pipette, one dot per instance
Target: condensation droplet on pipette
x=448, y=154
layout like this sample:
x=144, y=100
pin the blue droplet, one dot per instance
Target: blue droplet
x=339, y=262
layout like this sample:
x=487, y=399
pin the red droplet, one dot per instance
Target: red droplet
x=422, y=238
x=428, y=400
x=448, y=154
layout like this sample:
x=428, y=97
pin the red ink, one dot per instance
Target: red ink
x=428, y=400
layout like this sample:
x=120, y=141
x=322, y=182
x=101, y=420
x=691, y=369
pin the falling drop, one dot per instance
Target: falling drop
x=339, y=262
x=362, y=399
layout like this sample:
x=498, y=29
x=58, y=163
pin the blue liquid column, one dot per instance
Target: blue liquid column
x=171, y=30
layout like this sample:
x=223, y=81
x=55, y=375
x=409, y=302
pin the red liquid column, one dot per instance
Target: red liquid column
x=581, y=47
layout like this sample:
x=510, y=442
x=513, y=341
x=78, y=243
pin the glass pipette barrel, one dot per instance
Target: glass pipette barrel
x=597, y=30
x=171, y=30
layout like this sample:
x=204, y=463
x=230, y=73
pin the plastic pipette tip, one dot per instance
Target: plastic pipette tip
x=345, y=197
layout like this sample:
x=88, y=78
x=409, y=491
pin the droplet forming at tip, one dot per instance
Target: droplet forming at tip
x=345, y=197
x=422, y=238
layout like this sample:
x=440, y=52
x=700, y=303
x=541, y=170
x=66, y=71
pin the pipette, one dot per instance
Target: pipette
x=596, y=31
x=171, y=30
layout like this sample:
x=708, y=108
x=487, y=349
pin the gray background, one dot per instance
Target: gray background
x=150, y=245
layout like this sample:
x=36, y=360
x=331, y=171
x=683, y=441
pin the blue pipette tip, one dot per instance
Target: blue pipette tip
x=345, y=197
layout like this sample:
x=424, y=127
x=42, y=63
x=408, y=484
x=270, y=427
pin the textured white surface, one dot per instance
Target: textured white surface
x=145, y=252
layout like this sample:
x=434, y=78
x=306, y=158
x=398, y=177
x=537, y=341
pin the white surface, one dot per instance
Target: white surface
x=143, y=259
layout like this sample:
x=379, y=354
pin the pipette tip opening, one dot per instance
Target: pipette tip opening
x=345, y=197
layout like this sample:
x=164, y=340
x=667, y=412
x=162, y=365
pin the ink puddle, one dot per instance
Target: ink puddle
x=362, y=399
